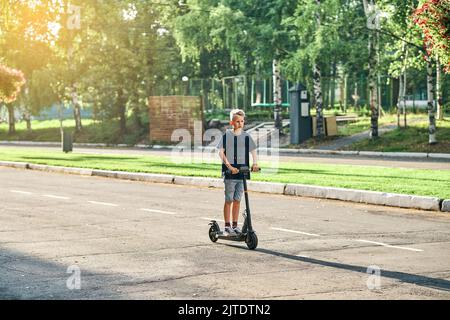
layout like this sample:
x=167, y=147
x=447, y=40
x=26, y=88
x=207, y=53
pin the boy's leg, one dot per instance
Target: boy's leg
x=229, y=193
x=236, y=206
x=226, y=213
x=239, y=190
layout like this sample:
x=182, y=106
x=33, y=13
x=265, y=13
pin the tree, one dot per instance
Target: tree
x=319, y=46
x=11, y=81
x=24, y=44
x=432, y=17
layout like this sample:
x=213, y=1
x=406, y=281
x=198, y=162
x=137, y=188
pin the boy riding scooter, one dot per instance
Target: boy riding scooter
x=234, y=149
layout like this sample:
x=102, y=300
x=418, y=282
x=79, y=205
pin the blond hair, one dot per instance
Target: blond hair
x=236, y=112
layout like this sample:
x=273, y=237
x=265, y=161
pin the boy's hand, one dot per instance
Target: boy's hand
x=233, y=170
x=255, y=168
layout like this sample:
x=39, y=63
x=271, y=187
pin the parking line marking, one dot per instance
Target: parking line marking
x=104, y=203
x=55, y=197
x=21, y=192
x=389, y=246
x=159, y=211
x=299, y=232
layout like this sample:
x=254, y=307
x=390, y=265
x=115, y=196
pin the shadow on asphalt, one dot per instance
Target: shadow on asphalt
x=24, y=277
x=423, y=281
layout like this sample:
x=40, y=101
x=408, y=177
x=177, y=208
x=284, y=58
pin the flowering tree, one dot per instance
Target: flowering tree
x=433, y=18
x=11, y=80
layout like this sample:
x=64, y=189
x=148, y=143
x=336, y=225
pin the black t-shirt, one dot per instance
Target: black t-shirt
x=236, y=151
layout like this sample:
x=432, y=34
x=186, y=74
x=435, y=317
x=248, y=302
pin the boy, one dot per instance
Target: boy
x=234, y=149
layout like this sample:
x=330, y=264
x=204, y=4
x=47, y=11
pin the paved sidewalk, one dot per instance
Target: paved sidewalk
x=347, y=141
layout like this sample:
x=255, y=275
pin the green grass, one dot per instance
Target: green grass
x=93, y=132
x=395, y=180
x=412, y=139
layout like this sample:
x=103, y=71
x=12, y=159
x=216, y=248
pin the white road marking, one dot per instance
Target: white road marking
x=55, y=197
x=389, y=246
x=21, y=192
x=159, y=211
x=210, y=219
x=299, y=232
x=104, y=203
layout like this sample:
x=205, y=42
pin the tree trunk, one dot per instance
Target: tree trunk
x=404, y=98
x=372, y=22
x=27, y=118
x=122, y=112
x=373, y=95
x=318, y=98
x=332, y=86
x=345, y=93
x=76, y=111
x=399, y=100
x=440, y=111
x=431, y=111
x=11, y=119
x=317, y=78
x=277, y=93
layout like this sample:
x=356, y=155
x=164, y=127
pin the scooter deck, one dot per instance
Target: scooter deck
x=238, y=237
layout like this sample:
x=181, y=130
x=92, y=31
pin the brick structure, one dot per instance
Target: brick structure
x=168, y=113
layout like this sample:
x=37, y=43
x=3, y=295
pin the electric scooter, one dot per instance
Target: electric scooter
x=248, y=234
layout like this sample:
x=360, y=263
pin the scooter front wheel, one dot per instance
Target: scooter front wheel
x=213, y=233
x=252, y=241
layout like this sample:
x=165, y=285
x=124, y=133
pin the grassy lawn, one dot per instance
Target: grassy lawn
x=351, y=128
x=93, y=132
x=396, y=180
x=412, y=139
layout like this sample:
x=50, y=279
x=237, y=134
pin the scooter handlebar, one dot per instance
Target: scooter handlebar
x=243, y=170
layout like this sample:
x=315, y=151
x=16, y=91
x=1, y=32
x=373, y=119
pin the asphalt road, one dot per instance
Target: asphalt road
x=132, y=240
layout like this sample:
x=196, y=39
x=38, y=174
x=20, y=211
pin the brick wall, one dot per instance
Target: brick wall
x=168, y=113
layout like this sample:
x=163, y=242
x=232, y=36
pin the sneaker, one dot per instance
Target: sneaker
x=237, y=230
x=228, y=231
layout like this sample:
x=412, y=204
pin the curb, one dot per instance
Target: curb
x=300, y=190
x=376, y=154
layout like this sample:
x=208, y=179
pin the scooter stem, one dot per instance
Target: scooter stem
x=247, y=206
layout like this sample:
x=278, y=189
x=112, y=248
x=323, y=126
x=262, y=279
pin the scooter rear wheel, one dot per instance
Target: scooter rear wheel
x=213, y=234
x=252, y=241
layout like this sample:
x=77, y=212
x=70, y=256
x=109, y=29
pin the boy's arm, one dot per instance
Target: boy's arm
x=255, y=160
x=224, y=159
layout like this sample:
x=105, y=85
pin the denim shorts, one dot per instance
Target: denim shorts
x=233, y=190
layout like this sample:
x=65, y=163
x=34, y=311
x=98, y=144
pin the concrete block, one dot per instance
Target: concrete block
x=11, y=164
x=305, y=191
x=266, y=187
x=445, y=206
x=344, y=194
x=405, y=154
x=347, y=153
x=371, y=153
x=425, y=203
x=65, y=170
x=104, y=173
x=199, y=181
x=439, y=155
x=146, y=177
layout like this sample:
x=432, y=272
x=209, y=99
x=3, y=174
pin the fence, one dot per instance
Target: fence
x=252, y=93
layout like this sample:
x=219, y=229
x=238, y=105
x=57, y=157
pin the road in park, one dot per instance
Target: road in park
x=133, y=240
x=416, y=163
